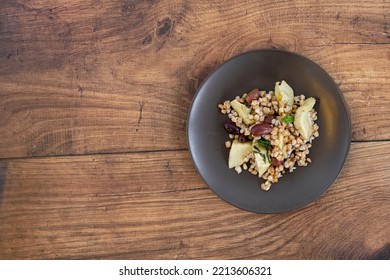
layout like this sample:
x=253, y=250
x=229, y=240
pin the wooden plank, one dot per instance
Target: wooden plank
x=84, y=77
x=41, y=119
x=364, y=84
x=108, y=207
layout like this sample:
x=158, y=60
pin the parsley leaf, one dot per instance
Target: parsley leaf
x=264, y=142
x=288, y=119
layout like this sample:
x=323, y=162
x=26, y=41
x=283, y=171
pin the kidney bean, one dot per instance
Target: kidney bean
x=261, y=129
x=232, y=128
x=242, y=138
x=275, y=162
x=269, y=118
x=252, y=95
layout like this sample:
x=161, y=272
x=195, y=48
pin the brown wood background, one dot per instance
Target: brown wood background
x=94, y=97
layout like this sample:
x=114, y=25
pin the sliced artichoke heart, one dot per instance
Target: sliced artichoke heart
x=302, y=120
x=238, y=153
x=284, y=94
x=261, y=158
x=242, y=111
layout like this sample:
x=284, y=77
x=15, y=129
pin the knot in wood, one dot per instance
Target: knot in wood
x=164, y=27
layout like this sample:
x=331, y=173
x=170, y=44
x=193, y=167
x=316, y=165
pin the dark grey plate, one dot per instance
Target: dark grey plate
x=261, y=69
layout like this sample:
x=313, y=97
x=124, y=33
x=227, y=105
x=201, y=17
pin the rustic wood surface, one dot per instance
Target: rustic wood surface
x=94, y=97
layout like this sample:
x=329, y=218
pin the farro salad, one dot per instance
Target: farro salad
x=270, y=132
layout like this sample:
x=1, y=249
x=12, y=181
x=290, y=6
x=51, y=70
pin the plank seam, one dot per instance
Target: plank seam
x=144, y=151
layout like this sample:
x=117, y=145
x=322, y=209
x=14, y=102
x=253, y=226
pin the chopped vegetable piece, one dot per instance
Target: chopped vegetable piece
x=302, y=121
x=238, y=153
x=288, y=119
x=242, y=111
x=261, y=158
x=284, y=94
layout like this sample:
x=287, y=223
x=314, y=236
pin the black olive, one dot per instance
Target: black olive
x=232, y=128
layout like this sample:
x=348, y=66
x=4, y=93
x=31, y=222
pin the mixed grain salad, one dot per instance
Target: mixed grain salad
x=270, y=133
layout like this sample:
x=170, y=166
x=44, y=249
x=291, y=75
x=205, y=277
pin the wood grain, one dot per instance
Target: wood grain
x=87, y=77
x=94, y=97
x=108, y=207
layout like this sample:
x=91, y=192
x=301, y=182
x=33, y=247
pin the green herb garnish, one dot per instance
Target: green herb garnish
x=256, y=150
x=269, y=158
x=264, y=157
x=288, y=119
x=264, y=142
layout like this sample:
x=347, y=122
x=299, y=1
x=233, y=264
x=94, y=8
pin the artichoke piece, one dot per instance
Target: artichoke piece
x=262, y=158
x=302, y=120
x=284, y=94
x=238, y=153
x=242, y=111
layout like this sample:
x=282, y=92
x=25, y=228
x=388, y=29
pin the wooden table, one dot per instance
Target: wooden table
x=94, y=98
